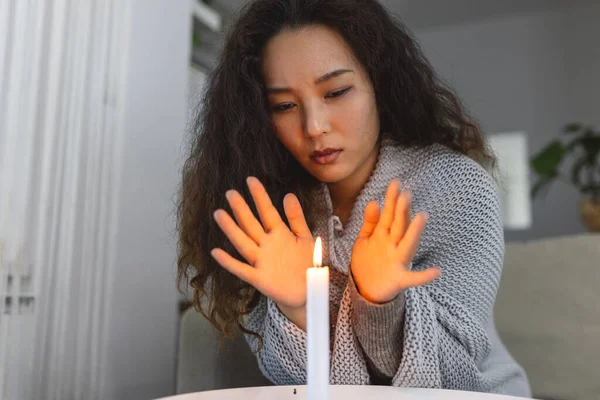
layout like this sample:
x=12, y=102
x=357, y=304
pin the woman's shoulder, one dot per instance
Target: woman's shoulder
x=439, y=167
x=459, y=194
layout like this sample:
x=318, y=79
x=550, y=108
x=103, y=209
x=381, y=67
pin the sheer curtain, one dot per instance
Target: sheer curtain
x=61, y=93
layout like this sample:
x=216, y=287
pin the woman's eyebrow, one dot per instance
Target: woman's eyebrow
x=321, y=79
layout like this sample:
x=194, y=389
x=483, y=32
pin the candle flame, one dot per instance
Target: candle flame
x=318, y=254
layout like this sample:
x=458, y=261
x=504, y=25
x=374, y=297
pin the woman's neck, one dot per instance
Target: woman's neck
x=344, y=193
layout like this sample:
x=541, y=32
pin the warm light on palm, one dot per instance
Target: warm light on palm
x=385, y=247
x=276, y=257
x=281, y=261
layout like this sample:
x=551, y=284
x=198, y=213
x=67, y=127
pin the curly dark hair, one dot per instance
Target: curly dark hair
x=233, y=136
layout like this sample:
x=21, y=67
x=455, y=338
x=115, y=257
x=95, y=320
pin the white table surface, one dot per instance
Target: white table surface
x=338, y=392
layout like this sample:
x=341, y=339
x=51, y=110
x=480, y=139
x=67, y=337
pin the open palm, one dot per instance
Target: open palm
x=276, y=257
x=385, y=247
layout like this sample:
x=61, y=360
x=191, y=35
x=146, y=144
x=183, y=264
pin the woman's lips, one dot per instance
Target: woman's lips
x=325, y=157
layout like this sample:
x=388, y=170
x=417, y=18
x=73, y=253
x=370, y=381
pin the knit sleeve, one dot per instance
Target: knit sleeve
x=378, y=328
x=445, y=340
x=282, y=358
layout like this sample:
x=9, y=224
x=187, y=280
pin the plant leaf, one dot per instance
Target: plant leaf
x=542, y=183
x=196, y=40
x=572, y=127
x=587, y=189
x=548, y=159
x=591, y=144
x=571, y=145
x=576, y=171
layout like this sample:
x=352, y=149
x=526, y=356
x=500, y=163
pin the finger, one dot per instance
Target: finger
x=420, y=278
x=401, y=217
x=387, y=215
x=266, y=210
x=295, y=216
x=370, y=220
x=410, y=242
x=242, y=243
x=242, y=270
x=244, y=216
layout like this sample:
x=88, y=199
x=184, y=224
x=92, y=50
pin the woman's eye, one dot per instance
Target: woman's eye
x=283, y=107
x=337, y=93
x=288, y=106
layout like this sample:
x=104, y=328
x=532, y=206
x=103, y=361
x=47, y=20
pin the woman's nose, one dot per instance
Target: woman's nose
x=316, y=121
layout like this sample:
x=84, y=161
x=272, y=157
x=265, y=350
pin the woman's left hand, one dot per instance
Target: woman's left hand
x=385, y=247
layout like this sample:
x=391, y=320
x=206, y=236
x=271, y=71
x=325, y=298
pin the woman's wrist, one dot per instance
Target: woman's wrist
x=374, y=298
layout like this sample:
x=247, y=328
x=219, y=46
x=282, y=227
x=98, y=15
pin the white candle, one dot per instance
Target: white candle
x=317, y=326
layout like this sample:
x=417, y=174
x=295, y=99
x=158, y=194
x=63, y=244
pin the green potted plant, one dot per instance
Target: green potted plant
x=582, y=145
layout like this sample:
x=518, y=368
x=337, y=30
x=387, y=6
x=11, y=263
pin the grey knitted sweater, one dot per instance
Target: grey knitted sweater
x=440, y=335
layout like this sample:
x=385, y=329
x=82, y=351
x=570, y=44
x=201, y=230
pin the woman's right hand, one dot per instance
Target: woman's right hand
x=276, y=257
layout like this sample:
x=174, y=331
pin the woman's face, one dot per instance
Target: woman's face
x=322, y=103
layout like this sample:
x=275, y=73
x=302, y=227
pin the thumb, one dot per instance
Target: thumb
x=419, y=278
x=370, y=220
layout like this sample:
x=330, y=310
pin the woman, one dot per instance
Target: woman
x=323, y=118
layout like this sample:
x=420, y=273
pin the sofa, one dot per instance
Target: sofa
x=547, y=313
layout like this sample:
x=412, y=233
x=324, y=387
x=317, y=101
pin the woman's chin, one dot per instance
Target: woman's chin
x=330, y=174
